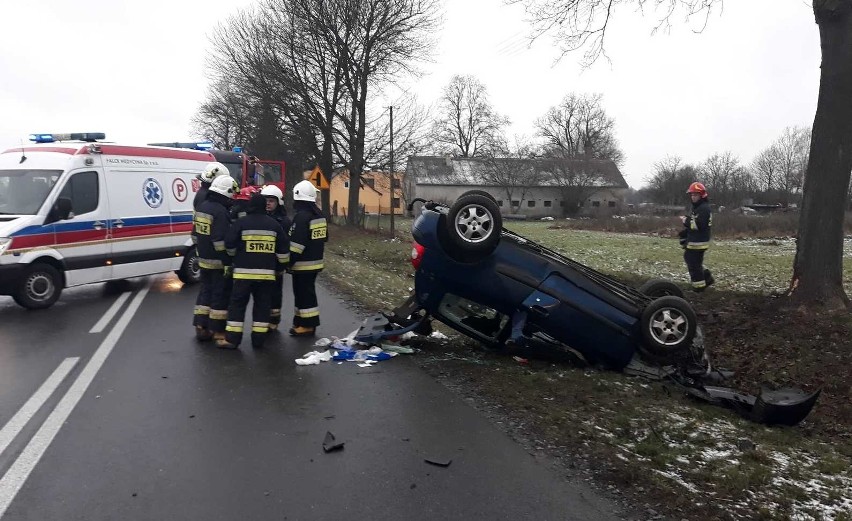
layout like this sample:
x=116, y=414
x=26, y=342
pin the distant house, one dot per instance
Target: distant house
x=530, y=187
x=374, y=193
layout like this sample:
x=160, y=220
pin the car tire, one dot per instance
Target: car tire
x=668, y=327
x=39, y=288
x=189, y=272
x=656, y=288
x=480, y=192
x=474, y=224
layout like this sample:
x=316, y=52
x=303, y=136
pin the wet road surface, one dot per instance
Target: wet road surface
x=136, y=421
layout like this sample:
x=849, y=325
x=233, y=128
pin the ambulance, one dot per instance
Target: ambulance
x=76, y=210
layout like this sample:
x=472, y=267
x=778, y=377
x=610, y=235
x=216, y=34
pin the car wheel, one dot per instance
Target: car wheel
x=668, y=327
x=39, y=287
x=656, y=288
x=474, y=224
x=190, y=272
x=480, y=192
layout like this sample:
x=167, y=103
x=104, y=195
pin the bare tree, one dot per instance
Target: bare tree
x=223, y=117
x=792, y=158
x=719, y=172
x=818, y=266
x=669, y=181
x=513, y=169
x=578, y=127
x=467, y=124
x=765, y=169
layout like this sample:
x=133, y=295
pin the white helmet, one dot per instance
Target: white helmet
x=273, y=191
x=225, y=185
x=212, y=171
x=305, y=191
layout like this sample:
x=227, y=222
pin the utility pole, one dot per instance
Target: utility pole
x=392, y=178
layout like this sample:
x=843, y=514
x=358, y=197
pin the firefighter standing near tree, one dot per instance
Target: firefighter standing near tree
x=209, y=227
x=308, y=235
x=275, y=209
x=695, y=237
x=261, y=251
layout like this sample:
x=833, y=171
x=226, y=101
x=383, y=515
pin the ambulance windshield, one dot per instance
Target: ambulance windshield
x=22, y=192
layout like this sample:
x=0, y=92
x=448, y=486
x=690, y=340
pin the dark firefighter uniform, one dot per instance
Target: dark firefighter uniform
x=308, y=235
x=210, y=225
x=261, y=250
x=280, y=216
x=697, y=226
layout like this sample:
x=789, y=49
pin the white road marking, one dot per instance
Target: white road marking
x=14, y=426
x=105, y=320
x=20, y=470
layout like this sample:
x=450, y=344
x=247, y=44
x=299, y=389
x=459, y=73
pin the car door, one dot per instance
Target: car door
x=83, y=239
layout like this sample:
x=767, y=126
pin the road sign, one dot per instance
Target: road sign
x=318, y=179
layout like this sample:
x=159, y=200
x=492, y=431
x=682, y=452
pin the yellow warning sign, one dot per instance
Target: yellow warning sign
x=318, y=179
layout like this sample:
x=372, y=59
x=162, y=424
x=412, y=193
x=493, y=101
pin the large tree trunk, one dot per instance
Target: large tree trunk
x=818, y=267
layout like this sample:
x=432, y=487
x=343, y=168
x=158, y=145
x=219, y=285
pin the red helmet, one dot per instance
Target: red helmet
x=245, y=193
x=697, y=188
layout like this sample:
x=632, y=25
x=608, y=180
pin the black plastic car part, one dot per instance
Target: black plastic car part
x=656, y=288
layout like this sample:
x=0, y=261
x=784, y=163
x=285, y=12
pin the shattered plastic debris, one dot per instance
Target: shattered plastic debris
x=330, y=443
x=393, y=348
x=440, y=462
x=314, y=358
x=438, y=335
x=522, y=361
x=322, y=342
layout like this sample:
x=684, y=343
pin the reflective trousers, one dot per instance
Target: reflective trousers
x=259, y=290
x=277, y=300
x=211, y=306
x=306, y=312
x=695, y=264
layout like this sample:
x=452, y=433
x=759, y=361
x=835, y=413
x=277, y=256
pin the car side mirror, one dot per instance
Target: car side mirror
x=61, y=210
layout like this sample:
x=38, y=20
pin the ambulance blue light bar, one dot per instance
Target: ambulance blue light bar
x=74, y=136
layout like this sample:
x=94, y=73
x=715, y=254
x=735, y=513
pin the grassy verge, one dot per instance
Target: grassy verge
x=647, y=440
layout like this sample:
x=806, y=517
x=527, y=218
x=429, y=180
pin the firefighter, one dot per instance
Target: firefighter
x=210, y=225
x=261, y=250
x=308, y=234
x=211, y=172
x=695, y=238
x=275, y=209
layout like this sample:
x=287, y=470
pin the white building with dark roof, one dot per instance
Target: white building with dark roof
x=526, y=187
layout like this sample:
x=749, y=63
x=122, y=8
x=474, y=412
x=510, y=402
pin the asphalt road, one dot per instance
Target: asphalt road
x=138, y=421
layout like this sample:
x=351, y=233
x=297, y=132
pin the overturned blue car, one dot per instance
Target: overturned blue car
x=508, y=292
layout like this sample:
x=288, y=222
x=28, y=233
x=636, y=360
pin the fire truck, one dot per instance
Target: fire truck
x=246, y=169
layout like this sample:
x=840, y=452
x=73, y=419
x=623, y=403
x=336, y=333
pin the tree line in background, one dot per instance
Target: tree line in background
x=775, y=176
x=303, y=80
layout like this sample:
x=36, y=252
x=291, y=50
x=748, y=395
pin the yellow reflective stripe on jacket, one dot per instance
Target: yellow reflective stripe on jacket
x=283, y=258
x=265, y=238
x=317, y=223
x=253, y=274
x=697, y=245
x=307, y=265
x=211, y=264
x=295, y=247
x=219, y=245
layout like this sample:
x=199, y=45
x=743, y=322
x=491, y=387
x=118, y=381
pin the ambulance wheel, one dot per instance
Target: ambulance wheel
x=39, y=288
x=190, y=272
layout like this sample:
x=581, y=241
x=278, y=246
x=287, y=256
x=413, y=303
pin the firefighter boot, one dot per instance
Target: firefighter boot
x=222, y=342
x=302, y=331
x=708, y=278
x=202, y=334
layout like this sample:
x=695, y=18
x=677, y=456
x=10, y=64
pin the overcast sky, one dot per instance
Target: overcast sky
x=135, y=70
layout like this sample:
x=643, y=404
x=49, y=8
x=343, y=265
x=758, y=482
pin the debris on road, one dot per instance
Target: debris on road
x=314, y=358
x=440, y=462
x=330, y=443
